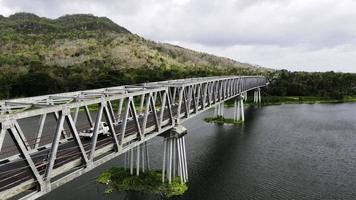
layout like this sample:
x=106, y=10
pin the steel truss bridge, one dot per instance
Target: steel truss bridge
x=41, y=147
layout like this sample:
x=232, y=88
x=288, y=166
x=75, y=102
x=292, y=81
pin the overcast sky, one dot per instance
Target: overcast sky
x=310, y=35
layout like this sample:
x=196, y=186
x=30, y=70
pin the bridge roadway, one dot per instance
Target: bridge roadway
x=35, y=172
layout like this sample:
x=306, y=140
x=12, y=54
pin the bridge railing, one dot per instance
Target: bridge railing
x=43, y=137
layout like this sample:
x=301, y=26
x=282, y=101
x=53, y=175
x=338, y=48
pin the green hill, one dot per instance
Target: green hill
x=40, y=55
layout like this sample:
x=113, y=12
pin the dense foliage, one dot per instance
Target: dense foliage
x=75, y=52
x=329, y=84
x=148, y=182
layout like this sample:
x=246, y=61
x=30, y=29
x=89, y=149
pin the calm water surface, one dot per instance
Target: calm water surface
x=281, y=152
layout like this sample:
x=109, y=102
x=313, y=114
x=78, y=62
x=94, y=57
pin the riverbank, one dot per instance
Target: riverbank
x=120, y=179
x=278, y=100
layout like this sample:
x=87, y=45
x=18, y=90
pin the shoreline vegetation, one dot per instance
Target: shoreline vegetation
x=120, y=179
x=220, y=120
x=279, y=100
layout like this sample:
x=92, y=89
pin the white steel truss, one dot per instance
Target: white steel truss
x=52, y=151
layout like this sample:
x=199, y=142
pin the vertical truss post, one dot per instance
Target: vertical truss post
x=154, y=112
x=141, y=104
x=174, y=95
x=163, y=106
x=180, y=101
x=145, y=117
x=40, y=130
x=189, y=99
x=76, y=114
x=121, y=101
x=2, y=136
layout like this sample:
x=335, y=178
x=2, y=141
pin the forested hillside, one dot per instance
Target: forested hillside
x=75, y=52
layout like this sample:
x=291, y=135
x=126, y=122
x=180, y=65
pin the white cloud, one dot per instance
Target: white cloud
x=4, y=10
x=313, y=35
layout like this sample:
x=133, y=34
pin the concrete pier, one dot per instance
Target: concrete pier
x=174, y=155
x=257, y=96
x=137, y=157
x=239, y=112
x=219, y=110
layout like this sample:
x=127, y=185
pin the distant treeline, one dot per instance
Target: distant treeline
x=328, y=84
x=40, y=80
x=45, y=80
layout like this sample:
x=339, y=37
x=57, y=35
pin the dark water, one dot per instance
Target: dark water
x=281, y=152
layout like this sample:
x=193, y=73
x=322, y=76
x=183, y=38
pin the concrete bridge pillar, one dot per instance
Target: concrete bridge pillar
x=219, y=109
x=257, y=96
x=239, y=112
x=174, y=155
x=259, y=100
x=137, y=159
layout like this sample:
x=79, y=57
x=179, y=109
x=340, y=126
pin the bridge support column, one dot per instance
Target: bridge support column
x=239, y=112
x=141, y=160
x=222, y=106
x=174, y=155
x=219, y=110
x=259, y=100
x=257, y=96
x=216, y=110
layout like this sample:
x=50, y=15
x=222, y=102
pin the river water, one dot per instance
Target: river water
x=281, y=152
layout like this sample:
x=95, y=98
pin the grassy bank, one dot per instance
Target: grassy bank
x=220, y=120
x=148, y=182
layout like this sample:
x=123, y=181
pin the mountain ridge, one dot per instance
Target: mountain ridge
x=82, y=51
